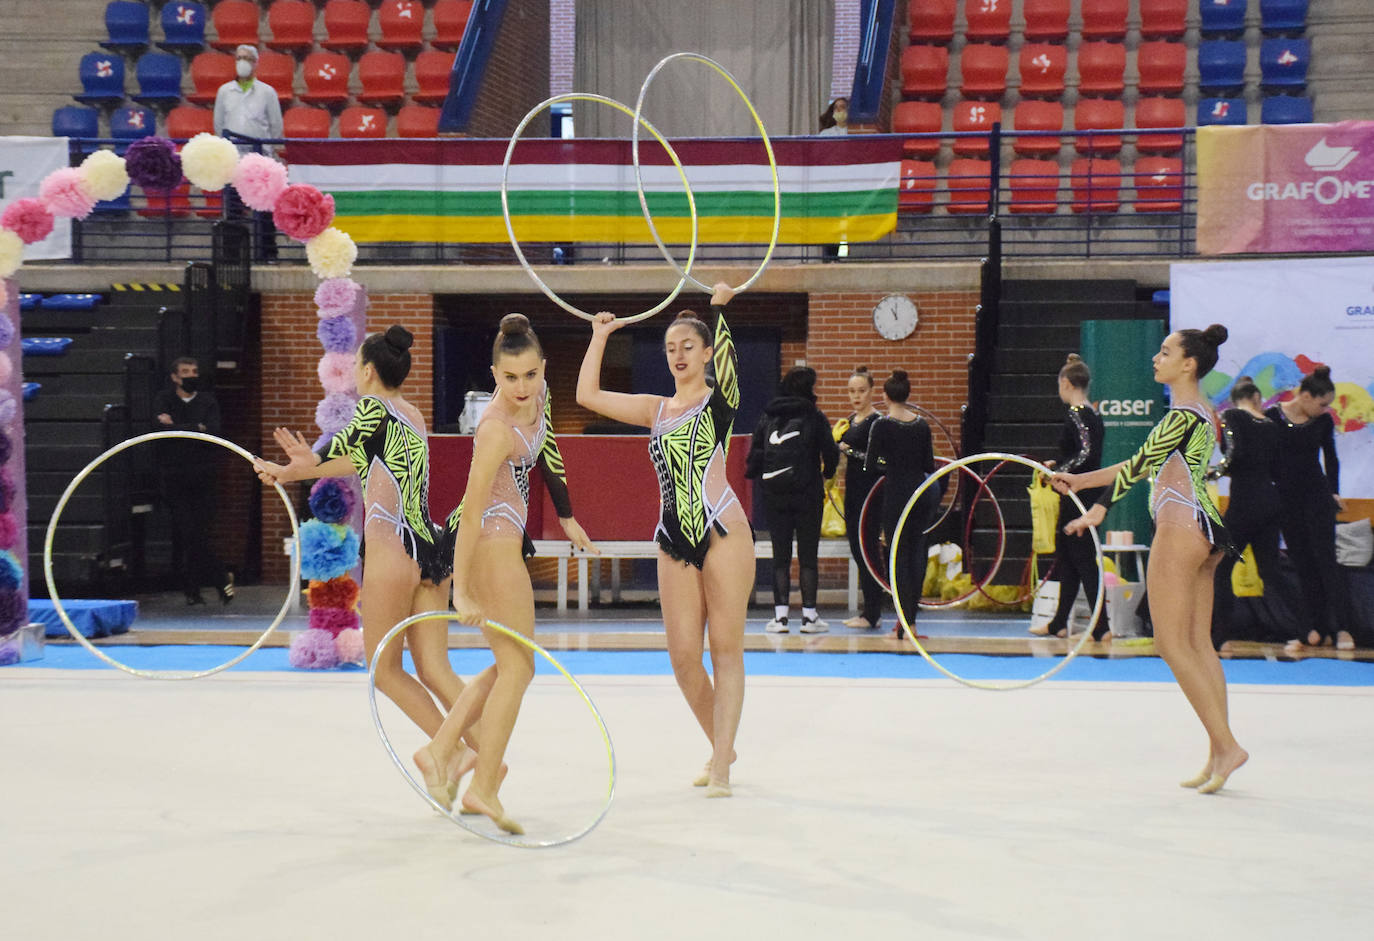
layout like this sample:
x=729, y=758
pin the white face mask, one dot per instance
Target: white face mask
x=244, y=69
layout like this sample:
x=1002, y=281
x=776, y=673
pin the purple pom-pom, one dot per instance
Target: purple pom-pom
x=9, y=653
x=327, y=550
x=349, y=645
x=9, y=408
x=6, y=331
x=333, y=620
x=331, y=500
x=313, y=650
x=9, y=531
x=14, y=610
x=154, y=164
x=5, y=448
x=334, y=411
x=6, y=490
x=11, y=572
x=337, y=334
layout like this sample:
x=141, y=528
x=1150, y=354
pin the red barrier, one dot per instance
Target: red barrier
x=610, y=477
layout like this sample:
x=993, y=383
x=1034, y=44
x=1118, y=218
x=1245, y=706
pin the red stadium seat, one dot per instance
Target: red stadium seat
x=278, y=69
x=988, y=20
x=293, y=25
x=1101, y=68
x=362, y=122
x=1098, y=114
x=209, y=70
x=402, y=22
x=1038, y=116
x=177, y=202
x=919, y=117
x=383, y=77
x=917, y=193
x=236, y=23
x=968, y=181
x=984, y=71
x=433, y=69
x=925, y=71
x=1042, y=67
x=1046, y=19
x=975, y=116
x=1096, y=184
x=931, y=20
x=417, y=121
x=1105, y=19
x=326, y=78
x=1160, y=112
x=1034, y=186
x=450, y=22
x=186, y=121
x=1158, y=184
x=345, y=25
x=302, y=121
x=1161, y=66
x=1163, y=19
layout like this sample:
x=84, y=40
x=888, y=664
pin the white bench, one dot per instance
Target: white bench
x=563, y=551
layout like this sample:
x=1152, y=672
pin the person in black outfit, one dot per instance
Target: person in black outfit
x=858, y=481
x=1310, y=499
x=791, y=451
x=1250, y=448
x=1080, y=451
x=187, y=475
x=900, y=449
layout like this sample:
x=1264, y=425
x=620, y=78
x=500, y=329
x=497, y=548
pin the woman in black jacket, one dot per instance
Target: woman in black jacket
x=858, y=481
x=791, y=451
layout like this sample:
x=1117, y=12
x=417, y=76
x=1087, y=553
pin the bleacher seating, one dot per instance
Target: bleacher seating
x=209, y=71
x=433, y=70
x=1034, y=186
x=925, y=71
x=1283, y=63
x=1158, y=184
x=983, y=69
x=175, y=202
x=278, y=69
x=102, y=78
x=451, y=21
x=977, y=116
x=1096, y=184
x=128, y=124
x=1104, y=19
x=931, y=21
x=917, y=193
x=186, y=121
x=126, y=24
x=1230, y=111
x=159, y=78
x=183, y=27
x=75, y=121
x=1046, y=20
x=345, y=25
x=293, y=26
x=30, y=301
x=1098, y=114
x=1042, y=67
x=382, y=75
x=304, y=121
x=362, y=122
x=1160, y=113
x=401, y=22
x=968, y=181
x=417, y=121
x=1221, y=65
x=1038, y=116
x=70, y=301
x=987, y=20
x=1222, y=17
x=1286, y=109
x=1283, y=16
x=326, y=78
x=236, y=23
x=918, y=117
x=1101, y=68
x=1163, y=19
x=1161, y=66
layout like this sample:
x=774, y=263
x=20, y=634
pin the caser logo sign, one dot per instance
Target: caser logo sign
x=1120, y=407
x=1327, y=190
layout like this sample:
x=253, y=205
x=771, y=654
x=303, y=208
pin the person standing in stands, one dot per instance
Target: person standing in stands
x=835, y=119
x=187, y=478
x=248, y=106
x=858, y=481
x=791, y=451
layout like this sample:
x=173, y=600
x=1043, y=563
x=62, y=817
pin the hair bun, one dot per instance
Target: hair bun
x=1216, y=334
x=1322, y=372
x=1242, y=380
x=515, y=323
x=1072, y=358
x=861, y=370
x=399, y=337
x=899, y=374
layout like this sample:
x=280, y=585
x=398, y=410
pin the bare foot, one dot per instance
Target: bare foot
x=703, y=779
x=1344, y=641
x=717, y=789
x=464, y=769
x=435, y=785
x=1222, y=768
x=490, y=807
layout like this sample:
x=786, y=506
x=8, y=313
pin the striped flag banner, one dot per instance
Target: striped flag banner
x=833, y=189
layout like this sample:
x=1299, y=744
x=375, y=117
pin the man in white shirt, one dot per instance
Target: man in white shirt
x=249, y=106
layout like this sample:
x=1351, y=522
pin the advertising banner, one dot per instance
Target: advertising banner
x=1285, y=188
x=24, y=162
x=1286, y=317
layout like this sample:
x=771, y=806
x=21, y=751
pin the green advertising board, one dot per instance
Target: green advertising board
x=1129, y=400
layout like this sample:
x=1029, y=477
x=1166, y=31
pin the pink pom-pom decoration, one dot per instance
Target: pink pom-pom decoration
x=260, y=181
x=333, y=620
x=6, y=327
x=313, y=650
x=29, y=219
x=9, y=408
x=349, y=646
x=9, y=531
x=334, y=411
x=65, y=194
x=336, y=373
x=303, y=212
x=340, y=297
x=6, y=368
x=4, y=296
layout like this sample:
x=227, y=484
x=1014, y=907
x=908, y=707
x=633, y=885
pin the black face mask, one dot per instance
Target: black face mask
x=190, y=384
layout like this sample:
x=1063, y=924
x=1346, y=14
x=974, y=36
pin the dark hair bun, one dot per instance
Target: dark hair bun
x=1072, y=358
x=515, y=323
x=899, y=375
x=1322, y=372
x=399, y=337
x=1216, y=334
x=861, y=370
x=1242, y=380
x=686, y=315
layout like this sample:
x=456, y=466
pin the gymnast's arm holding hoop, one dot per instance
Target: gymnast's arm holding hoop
x=621, y=406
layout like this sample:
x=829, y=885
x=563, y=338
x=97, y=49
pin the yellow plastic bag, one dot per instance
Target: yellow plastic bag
x=1245, y=579
x=1044, y=514
x=832, y=520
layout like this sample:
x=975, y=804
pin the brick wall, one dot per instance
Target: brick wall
x=562, y=45
x=518, y=77
x=846, y=51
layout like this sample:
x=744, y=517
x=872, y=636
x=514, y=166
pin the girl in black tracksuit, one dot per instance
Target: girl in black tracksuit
x=858, y=481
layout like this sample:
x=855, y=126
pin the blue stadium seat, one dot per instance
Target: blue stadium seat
x=45, y=346
x=1221, y=111
x=29, y=301
x=1284, y=62
x=75, y=121
x=1286, y=109
x=71, y=301
x=129, y=124
x=30, y=389
x=183, y=27
x=159, y=78
x=1222, y=17
x=1221, y=65
x=127, y=24
x=102, y=78
x=1283, y=16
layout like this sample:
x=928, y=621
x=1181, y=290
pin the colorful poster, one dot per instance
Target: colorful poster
x=1285, y=188
x=24, y=162
x=1286, y=317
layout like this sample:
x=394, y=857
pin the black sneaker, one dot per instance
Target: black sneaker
x=226, y=591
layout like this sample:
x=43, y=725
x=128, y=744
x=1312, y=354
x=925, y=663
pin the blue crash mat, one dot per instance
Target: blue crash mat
x=92, y=617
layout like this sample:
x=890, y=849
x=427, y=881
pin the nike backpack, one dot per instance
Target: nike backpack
x=786, y=449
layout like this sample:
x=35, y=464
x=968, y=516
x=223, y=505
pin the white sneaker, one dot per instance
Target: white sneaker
x=776, y=626
x=814, y=626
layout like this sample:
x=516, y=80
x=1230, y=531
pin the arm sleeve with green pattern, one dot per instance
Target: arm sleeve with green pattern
x=724, y=360
x=1169, y=434
x=350, y=440
x=551, y=466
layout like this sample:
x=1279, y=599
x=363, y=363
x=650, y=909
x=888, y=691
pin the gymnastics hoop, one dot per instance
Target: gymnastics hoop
x=62, y=505
x=897, y=601
x=639, y=179
x=510, y=228
x=419, y=788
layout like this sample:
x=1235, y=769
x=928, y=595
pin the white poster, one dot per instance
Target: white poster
x=24, y=162
x=1286, y=317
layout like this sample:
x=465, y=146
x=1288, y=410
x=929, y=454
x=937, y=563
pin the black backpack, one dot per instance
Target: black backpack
x=786, y=450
